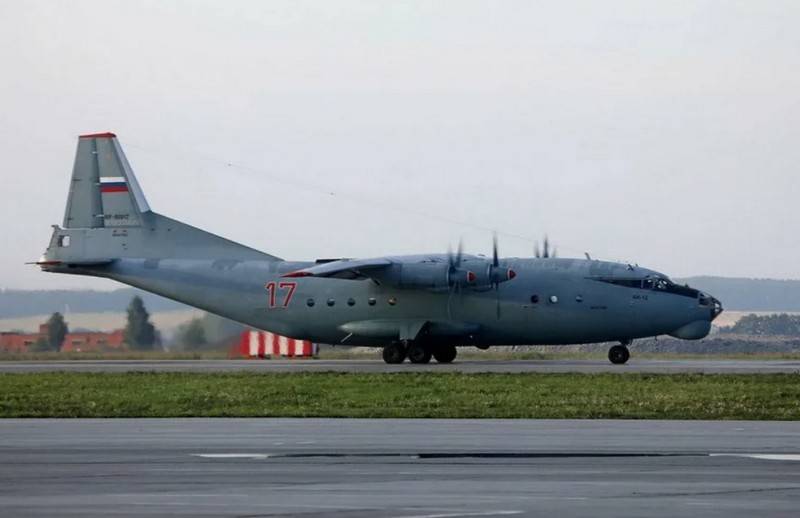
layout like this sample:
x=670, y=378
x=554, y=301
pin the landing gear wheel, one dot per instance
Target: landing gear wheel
x=445, y=353
x=618, y=354
x=394, y=353
x=418, y=353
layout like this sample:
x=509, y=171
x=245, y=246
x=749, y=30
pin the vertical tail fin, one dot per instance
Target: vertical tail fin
x=103, y=191
x=108, y=218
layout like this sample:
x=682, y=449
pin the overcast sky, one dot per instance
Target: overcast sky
x=662, y=133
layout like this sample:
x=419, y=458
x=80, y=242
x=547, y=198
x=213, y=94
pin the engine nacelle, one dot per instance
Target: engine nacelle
x=432, y=276
x=488, y=276
x=441, y=276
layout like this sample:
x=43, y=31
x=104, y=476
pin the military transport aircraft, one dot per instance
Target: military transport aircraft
x=414, y=306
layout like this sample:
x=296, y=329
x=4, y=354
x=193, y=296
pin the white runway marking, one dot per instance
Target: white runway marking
x=456, y=515
x=764, y=456
x=232, y=455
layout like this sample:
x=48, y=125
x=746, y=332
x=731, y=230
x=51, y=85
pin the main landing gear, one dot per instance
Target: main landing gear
x=396, y=352
x=619, y=354
x=418, y=353
x=445, y=353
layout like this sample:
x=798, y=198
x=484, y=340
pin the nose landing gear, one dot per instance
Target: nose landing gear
x=619, y=354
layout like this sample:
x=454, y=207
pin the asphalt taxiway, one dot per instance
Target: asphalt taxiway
x=709, y=366
x=398, y=468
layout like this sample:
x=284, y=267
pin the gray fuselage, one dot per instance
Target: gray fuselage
x=109, y=230
x=549, y=302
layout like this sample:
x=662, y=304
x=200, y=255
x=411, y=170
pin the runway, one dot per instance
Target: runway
x=376, y=366
x=398, y=468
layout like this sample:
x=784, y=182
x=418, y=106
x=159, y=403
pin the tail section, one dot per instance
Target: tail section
x=107, y=217
x=103, y=191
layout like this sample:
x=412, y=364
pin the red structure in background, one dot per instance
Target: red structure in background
x=17, y=342
x=94, y=342
x=263, y=344
x=73, y=342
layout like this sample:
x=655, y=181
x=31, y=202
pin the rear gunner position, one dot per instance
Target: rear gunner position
x=415, y=307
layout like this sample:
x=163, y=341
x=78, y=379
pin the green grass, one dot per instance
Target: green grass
x=465, y=353
x=112, y=355
x=442, y=395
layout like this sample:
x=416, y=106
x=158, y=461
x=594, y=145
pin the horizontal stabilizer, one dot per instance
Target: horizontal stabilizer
x=45, y=264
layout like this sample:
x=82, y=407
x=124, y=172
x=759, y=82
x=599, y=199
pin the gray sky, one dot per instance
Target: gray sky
x=664, y=133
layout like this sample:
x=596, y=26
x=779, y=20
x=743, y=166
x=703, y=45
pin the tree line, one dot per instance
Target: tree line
x=781, y=324
x=139, y=334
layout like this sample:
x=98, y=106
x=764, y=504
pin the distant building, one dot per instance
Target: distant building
x=17, y=342
x=73, y=342
x=93, y=342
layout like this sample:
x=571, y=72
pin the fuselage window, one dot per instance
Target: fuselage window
x=553, y=299
x=392, y=301
x=331, y=302
x=579, y=298
x=372, y=301
x=310, y=303
x=351, y=302
x=534, y=299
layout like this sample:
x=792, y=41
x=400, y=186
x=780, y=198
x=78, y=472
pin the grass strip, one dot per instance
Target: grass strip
x=408, y=395
x=466, y=353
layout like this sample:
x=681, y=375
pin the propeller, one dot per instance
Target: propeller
x=456, y=276
x=545, y=253
x=497, y=274
x=495, y=266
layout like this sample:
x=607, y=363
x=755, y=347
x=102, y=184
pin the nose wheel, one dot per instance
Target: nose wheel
x=619, y=354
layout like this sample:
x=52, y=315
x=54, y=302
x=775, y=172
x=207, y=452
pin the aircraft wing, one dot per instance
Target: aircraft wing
x=344, y=269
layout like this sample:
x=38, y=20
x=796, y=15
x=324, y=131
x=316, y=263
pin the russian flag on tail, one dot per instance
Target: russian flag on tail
x=111, y=184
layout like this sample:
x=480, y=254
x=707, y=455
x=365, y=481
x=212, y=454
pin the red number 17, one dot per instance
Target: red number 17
x=273, y=288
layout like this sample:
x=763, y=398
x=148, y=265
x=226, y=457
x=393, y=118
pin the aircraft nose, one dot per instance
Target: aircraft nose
x=716, y=308
x=709, y=308
x=714, y=305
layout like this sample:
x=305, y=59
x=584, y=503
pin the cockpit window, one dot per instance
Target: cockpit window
x=628, y=283
x=651, y=283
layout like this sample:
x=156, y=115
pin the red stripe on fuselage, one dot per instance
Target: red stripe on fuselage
x=114, y=188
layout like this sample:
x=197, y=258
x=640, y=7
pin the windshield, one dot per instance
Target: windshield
x=652, y=283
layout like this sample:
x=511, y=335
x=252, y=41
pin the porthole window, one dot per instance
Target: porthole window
x=553, y=299
x=579, y=298
x=331, y=302
x=534, y=299
x=351, y=302
x=372, y=301
x=310, y=303
x=392, y=301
